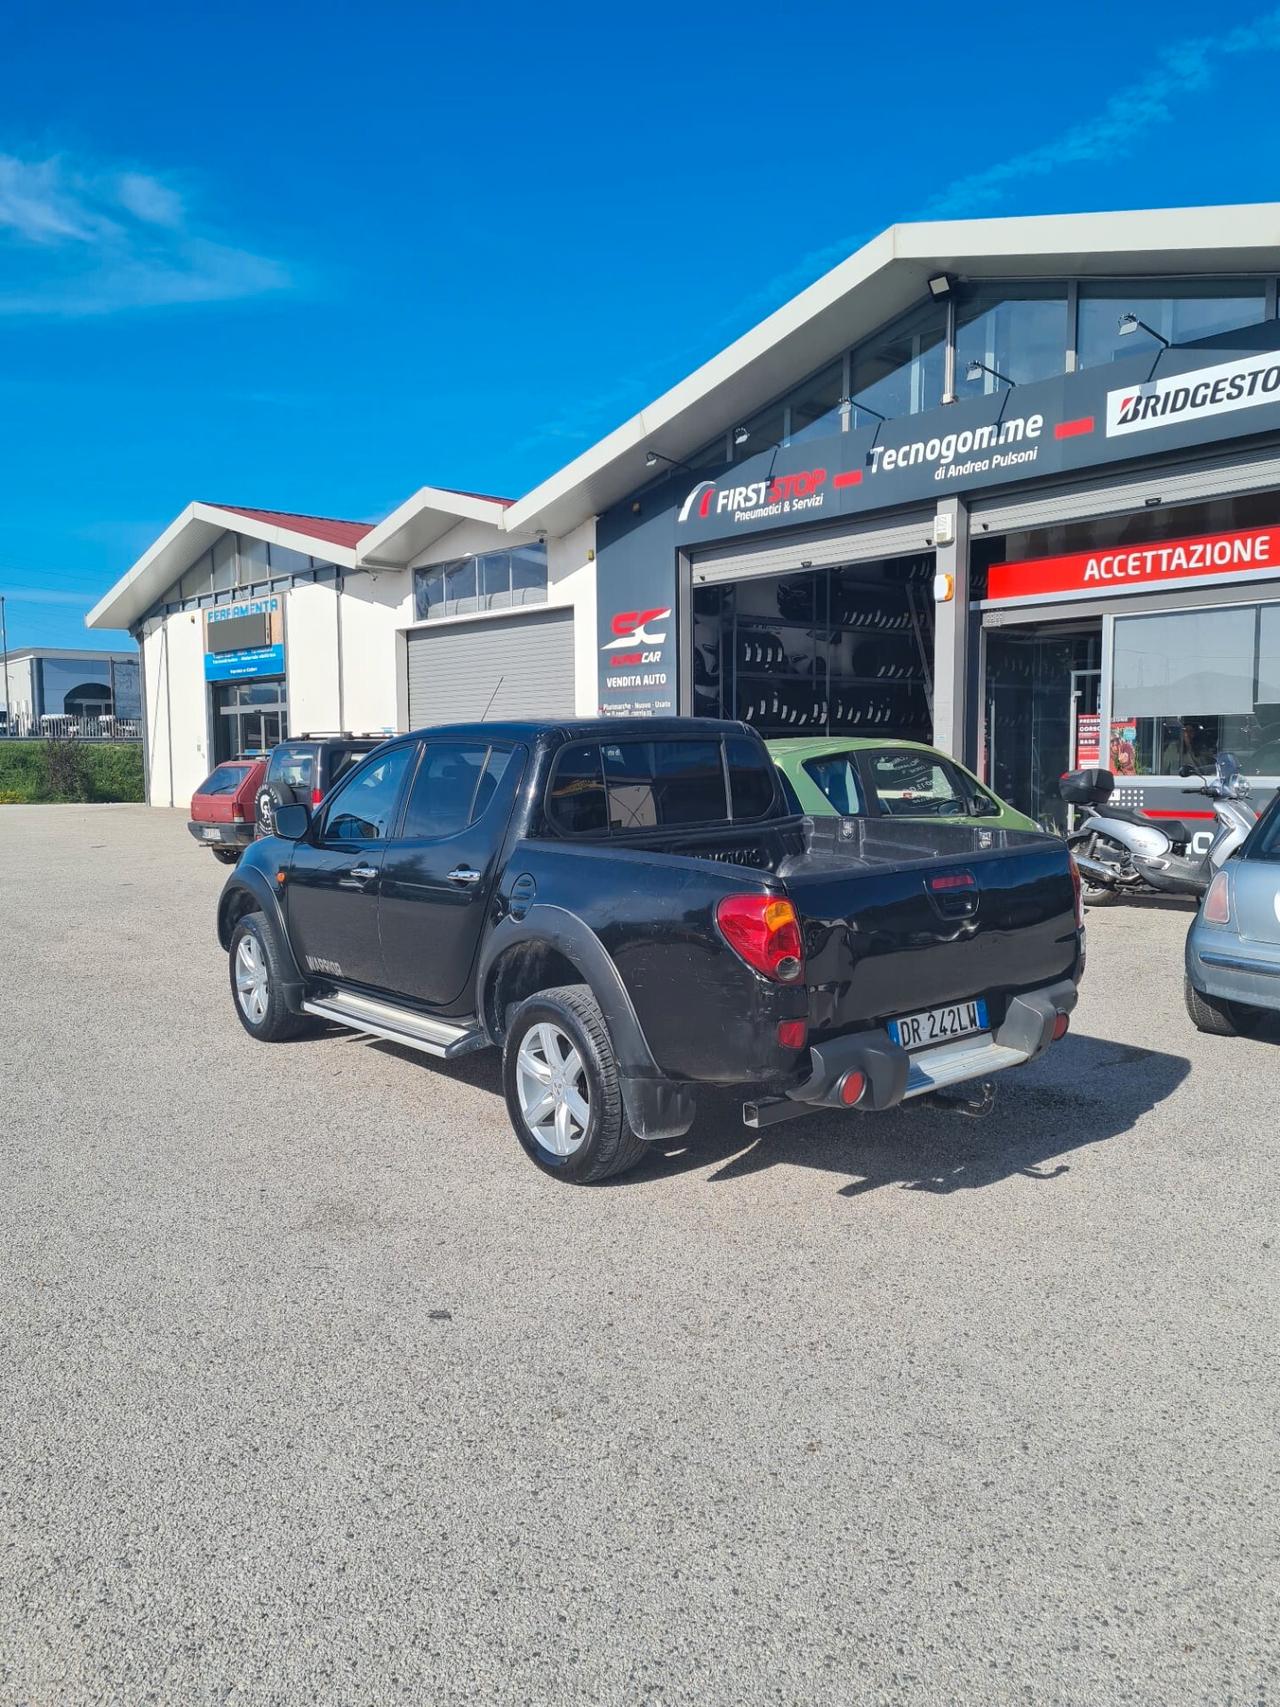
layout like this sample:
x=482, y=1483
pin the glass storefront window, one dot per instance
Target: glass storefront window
x=224, y=564
x=254, y=565
x=815, y=406
x=1181, y=310
x=492, y=581
x=901, y=372
x=1194, y=683
x=1021, y=331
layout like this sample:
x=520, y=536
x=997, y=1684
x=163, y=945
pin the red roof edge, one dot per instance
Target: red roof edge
x=328, y=529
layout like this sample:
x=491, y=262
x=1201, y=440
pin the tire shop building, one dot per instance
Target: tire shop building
x=1012, y=485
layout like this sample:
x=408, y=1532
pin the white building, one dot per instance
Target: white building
x=1011, y=484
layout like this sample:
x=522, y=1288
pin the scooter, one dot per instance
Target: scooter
x=1121, y=851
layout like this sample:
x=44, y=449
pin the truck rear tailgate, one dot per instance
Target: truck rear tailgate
x=901, y=917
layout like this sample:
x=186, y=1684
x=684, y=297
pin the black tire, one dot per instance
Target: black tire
x=277, y=1021
x=607, y=1145
x=226, y=856
x=1217, y=1017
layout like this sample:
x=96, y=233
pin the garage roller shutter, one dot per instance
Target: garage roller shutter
x=903, y=537
x=454, y=670
x=1257, y=471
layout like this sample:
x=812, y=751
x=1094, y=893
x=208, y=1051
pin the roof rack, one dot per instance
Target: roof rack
x=341, y=735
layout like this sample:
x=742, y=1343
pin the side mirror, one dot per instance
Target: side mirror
x=292, y=822
x=981, y=807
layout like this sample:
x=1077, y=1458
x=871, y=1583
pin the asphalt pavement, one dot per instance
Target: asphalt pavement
x=314, y=1390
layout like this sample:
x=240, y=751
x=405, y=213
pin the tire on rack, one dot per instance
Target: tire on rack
x=258, y=979
x=1218, y=1017
x=226, y=856
x=560, y=1079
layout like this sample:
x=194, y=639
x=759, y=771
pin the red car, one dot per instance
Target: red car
x=222, y=808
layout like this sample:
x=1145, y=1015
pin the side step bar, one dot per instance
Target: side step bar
x=397, y=1025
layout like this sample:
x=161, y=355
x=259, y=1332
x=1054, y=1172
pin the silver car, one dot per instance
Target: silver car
x=1233, y=947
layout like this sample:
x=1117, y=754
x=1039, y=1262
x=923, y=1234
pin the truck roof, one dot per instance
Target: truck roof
x=588, y=728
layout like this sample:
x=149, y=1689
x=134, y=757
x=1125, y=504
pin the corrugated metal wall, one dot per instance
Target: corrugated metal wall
x=454, y=670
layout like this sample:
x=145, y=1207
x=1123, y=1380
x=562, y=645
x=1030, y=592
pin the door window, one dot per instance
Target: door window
x=446, y=788
x=916, y=785
x=364, y=808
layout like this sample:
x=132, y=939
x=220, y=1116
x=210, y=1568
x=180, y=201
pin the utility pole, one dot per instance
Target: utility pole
x=4, y=647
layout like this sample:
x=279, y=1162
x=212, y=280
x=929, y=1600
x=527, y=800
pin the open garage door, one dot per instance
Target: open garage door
x=521, y=666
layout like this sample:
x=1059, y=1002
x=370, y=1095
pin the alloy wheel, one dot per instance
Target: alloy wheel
x=252, y=988
x=551, y=1082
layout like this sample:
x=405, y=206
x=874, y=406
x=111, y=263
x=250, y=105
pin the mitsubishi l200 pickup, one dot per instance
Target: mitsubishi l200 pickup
x=628, y=910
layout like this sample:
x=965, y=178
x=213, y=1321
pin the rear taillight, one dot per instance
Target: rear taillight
x=793, y=1033
x=1079, y=889
x=316, y=797
x=237, y=813
x=1217, y=903
x=765, y=932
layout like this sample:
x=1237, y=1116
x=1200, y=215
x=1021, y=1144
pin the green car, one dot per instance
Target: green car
x=899, y=779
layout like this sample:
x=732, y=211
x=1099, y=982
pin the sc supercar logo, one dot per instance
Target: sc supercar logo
x=630, y=629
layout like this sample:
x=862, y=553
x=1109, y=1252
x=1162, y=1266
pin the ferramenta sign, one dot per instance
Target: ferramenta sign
x=1132, y=569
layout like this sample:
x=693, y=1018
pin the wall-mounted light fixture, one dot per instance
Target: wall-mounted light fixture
x=741, y=435
x=940, y=285
x=653, y=457
x=1129, y=324
x=975, y=370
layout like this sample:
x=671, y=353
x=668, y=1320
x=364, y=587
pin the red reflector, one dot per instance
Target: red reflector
x=793, y=1033
x=851, y=1088
x=1060, y=1026
x=954, y=880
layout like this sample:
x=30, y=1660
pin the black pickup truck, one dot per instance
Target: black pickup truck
x=628, y=910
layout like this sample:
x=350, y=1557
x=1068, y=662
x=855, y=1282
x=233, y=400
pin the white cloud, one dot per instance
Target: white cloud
x=78, y=240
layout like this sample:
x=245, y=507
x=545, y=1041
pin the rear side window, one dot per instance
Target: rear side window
x=1265, y=841
x=293, y=766
x=225, y=780
x=751, y=778
x=664, y=784
x=341, y=760
x=610, y=787
x=839, y=781
x=576, y=798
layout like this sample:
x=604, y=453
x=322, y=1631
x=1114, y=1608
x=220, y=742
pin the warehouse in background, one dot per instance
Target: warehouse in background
x=1010, y=484
x=53, y=691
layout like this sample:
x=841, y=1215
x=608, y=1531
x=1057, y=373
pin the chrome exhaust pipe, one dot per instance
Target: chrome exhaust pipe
x=1095, y=869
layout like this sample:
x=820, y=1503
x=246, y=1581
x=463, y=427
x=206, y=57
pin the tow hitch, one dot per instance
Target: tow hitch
x=976, y=1098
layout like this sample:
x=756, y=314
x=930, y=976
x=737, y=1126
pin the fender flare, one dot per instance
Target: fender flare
x=555, y=927
x=248, y=880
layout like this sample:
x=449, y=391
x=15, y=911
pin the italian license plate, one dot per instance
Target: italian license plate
x=938, y=1025
x=209, y=835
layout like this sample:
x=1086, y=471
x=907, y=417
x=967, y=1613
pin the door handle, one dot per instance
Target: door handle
x=464, y=874
x=363, y=872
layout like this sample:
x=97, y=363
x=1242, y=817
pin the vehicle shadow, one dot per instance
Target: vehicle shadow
x=1085, y=1091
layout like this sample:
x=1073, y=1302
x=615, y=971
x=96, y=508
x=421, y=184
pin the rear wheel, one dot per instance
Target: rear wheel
x=1219, y=1018
x=1093, y=893
x=258, y=981
x=560, y=1078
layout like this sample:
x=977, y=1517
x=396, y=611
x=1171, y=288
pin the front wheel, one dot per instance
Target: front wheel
x=1217, y=1017
x=560, y=1079
x=257, y=983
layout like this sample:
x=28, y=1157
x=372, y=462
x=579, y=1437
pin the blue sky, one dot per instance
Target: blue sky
x=312, y=256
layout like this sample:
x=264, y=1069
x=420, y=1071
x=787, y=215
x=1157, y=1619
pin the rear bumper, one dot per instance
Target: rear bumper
x=1219, y=963
x=221, y=835
x=894, y=1076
